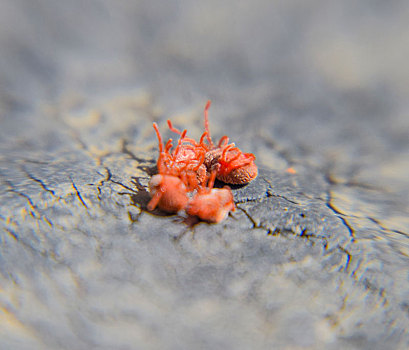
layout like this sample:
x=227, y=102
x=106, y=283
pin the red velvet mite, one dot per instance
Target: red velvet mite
x=231, y=164
x=187, y=174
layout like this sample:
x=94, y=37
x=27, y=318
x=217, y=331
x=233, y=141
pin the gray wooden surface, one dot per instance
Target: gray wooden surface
x=313, y=260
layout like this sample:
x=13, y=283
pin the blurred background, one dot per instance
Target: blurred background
x=308, y=49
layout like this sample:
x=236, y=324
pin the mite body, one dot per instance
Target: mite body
x=231, y=164
x=211, y=204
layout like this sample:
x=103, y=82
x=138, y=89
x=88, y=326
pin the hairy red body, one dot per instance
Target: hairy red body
x=187, y=174
x=231, y=164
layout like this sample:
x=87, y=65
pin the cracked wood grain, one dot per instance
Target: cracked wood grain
x=315, y=258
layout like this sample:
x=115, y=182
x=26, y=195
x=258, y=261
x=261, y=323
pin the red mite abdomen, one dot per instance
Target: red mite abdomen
x=239, y=176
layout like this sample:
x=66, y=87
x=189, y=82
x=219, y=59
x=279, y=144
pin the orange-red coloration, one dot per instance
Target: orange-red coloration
x=189, y=157
x=232, y=165
x=185, y=171
x=211, y=204
x=236, y=167
x=168, y=193
x=185, y=162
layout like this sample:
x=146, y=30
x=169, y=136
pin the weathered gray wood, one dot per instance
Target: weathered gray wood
x=315, y=259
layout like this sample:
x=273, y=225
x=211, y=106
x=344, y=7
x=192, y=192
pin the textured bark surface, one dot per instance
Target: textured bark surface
x=318, y=258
